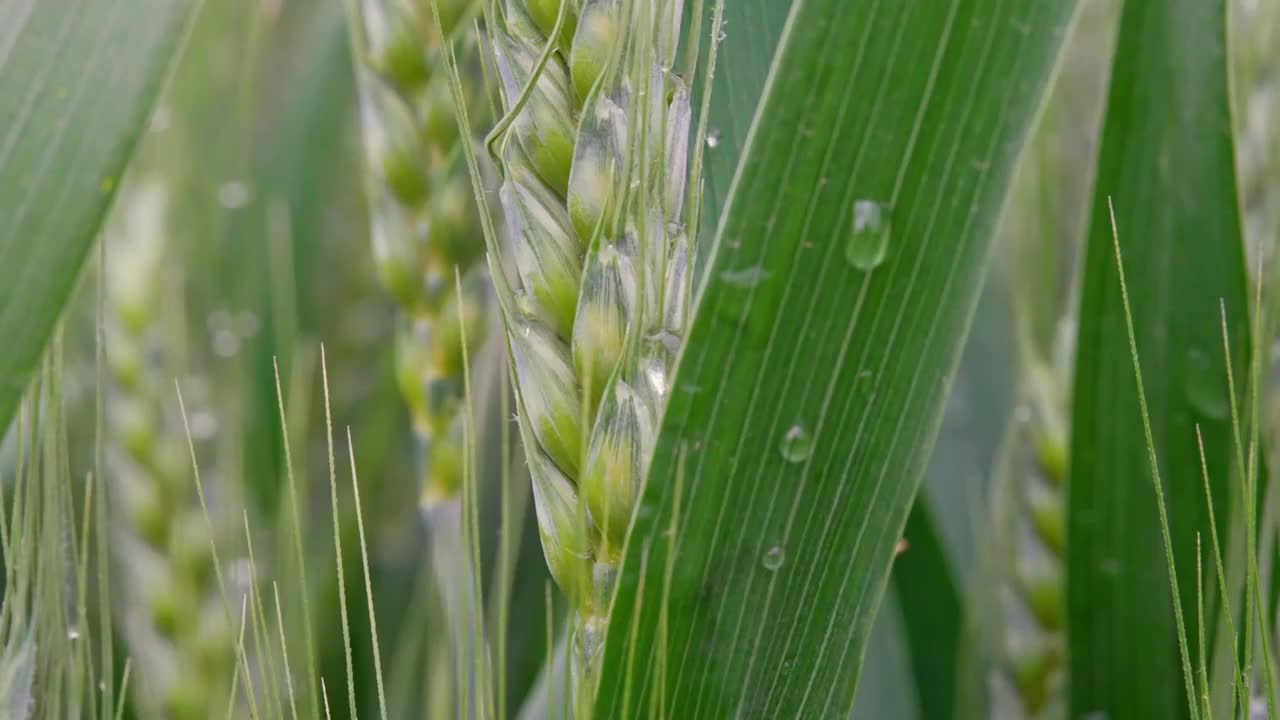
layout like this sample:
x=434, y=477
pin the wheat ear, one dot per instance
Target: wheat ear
x=593, y=148
x=1030, y=510
x=175, y=627
x=423, y=219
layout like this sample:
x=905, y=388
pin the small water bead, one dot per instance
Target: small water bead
x=774, y=558
x=746, y=278
x=233, y=195
x=247, y=324
x=225, y=343
x=1206, y=386
x=869, y=242
x=204, y=424
x=161, y=119
x=797, y=444
x=713, y=138
x=1022, y=413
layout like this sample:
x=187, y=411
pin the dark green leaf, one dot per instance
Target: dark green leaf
x=77, y=82
x=1166, y=163
x=784, y=555
x=931, y=608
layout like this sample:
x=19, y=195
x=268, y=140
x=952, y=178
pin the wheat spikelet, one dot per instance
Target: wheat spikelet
x=1030, y=515
x=175, y=626
x=594, y=179
x=423, y=219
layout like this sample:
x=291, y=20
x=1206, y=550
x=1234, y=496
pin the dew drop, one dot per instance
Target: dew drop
x=226, y=343
x=797, y=445
x=161, y=119
x=1022, y=413
x=713, y=138
x=1206, y=386
x=247, y=324
x=204, y=425
x=233, y=195
x=869, y=241
x=746, y=278
x=774, y=558
x=73, y=633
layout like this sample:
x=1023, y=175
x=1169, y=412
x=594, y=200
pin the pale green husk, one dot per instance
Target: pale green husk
x=594, y=274
x=1029, y=511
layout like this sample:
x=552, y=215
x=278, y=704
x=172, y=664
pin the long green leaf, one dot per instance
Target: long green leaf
x=783, y=557
x=1166, y=164
x=929, y=612
x=77, y=81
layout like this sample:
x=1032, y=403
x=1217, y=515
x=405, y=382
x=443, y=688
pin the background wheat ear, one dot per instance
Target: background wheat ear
x=175, y=626
x=427, y=245
x=424, y=227
x=1029, y=675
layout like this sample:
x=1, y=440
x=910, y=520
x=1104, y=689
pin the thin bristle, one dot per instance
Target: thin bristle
x=368, y=582
x=337, y=540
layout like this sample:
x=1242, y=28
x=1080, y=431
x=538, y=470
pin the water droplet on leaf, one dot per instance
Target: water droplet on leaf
x=233, y=195
x=746, y=278
x=713, y=138
x=1206, y=386
x=869, y=242
x=774, y=558
x=797, y=445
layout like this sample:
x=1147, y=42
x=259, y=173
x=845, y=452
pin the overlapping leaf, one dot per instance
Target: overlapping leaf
x=1166, y=164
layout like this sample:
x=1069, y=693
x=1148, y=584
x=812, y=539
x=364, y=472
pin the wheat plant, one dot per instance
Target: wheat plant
x=172, y=615
x=720, y=313
x=424, y=230
x=594, y=151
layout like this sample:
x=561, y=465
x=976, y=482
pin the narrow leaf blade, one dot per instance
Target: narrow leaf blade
x=1166, y=165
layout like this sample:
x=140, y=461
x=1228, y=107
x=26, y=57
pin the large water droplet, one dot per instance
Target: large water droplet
x=746, y=278
x=774, y=558
x=797, y=444
x=1206, y=386
x=869, y=242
